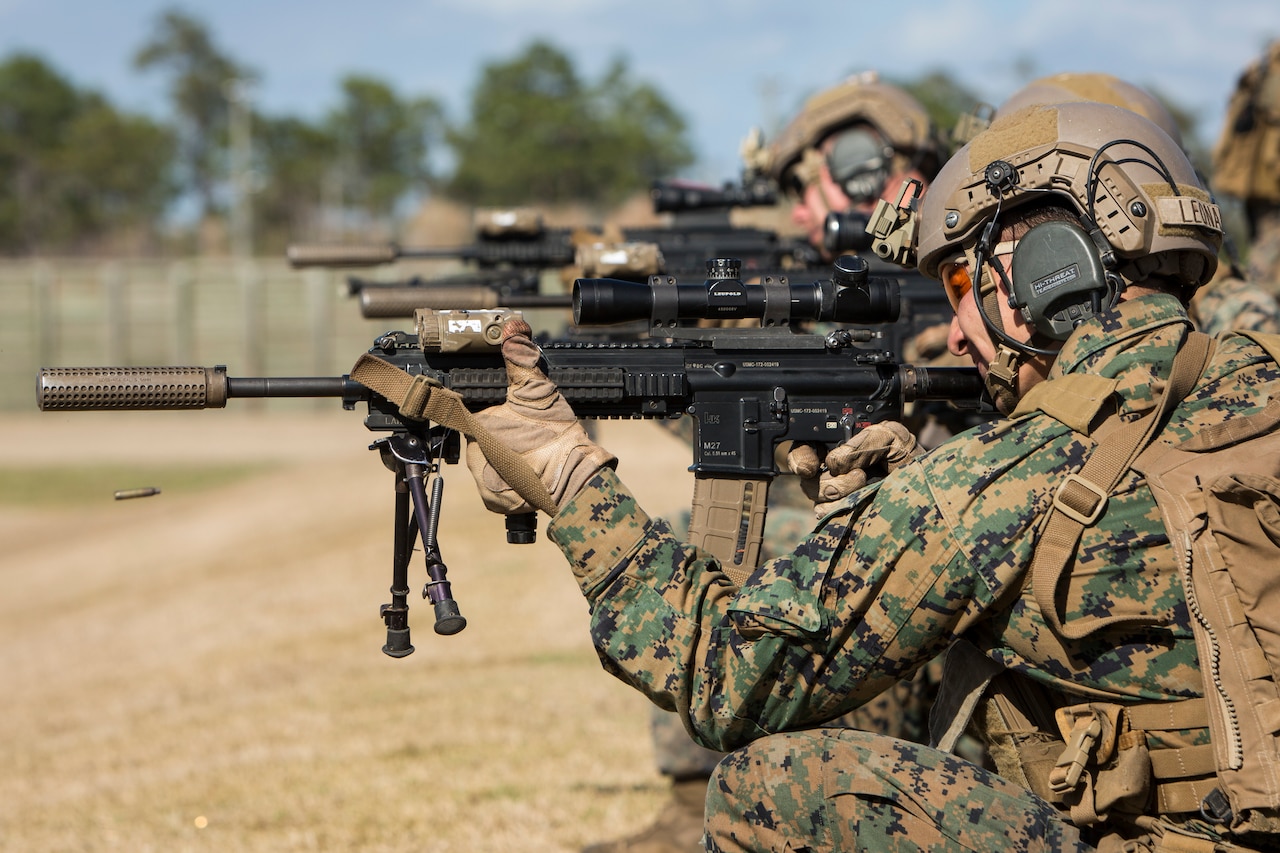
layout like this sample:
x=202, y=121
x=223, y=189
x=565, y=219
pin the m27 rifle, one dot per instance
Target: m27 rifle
x=746, y=389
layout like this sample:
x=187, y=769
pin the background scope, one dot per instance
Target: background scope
x=680, y=196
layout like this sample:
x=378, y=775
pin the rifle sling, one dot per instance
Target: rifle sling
x=1082, y=497
x=422, y=398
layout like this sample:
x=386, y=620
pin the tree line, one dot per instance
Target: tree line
x=85, y=176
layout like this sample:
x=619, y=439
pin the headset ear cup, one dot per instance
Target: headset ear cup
x=1058, y=278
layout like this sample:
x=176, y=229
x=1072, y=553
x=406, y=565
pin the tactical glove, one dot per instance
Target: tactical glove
x=875, y=451
x=537, y=424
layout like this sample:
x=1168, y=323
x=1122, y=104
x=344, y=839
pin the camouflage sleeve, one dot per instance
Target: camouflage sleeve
x=812, y=635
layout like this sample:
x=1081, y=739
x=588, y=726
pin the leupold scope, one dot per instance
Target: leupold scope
x=851, y=295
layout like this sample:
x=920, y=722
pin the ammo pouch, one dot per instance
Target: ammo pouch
x=1095, y=760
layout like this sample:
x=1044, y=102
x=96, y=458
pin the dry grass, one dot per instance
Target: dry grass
x=201, y=670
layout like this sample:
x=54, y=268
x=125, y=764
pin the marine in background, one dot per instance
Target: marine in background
x=1246, y=163
x=1232, y=299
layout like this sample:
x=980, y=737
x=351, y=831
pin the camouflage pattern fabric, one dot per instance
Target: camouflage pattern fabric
x=901, y=712
x=1264, y=252
x=937, y=550
x=878, y=794
x=1230, y=302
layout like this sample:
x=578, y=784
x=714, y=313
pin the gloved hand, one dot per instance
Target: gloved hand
x=875, y=451
x=537, y=424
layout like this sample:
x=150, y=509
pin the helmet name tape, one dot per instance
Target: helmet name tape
x=1185, y=210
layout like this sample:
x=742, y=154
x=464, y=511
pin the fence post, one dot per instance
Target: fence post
x=183, y=320
x=117, y=312
x=254, y=324
x=43, y=283
x=318, y=284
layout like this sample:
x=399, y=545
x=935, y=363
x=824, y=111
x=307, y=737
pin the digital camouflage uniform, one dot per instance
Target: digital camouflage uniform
x=901, y=711
x=1264, y=252
x=1231, y=302
x=936, y=551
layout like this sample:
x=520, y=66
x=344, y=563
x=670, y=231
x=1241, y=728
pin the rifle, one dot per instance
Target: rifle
x=700, y=229
x=746, y=389
x=473, y=289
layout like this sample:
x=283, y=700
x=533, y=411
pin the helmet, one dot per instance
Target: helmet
x=787, y=149
x=1132, y=186
x=902, y=123
x=1099, y=87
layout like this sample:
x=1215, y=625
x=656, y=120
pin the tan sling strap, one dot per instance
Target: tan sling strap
x=424, y=399
x=1082, y=497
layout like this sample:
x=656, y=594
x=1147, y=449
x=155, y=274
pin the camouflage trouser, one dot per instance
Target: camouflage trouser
x=902, y=711
x=840, y=789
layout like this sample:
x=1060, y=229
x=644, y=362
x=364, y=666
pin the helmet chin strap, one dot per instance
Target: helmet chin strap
x=1002, y=373
x=1002, y=378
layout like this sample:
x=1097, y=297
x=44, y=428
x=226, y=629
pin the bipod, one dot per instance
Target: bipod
x=409, y=457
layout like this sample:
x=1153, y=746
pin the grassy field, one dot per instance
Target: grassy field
x=201, y=670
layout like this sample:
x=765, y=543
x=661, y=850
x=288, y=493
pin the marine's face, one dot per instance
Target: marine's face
x=818, y=198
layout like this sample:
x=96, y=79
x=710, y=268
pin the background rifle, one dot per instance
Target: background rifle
x=747, y=390
x=513, y=248
x=471, y=290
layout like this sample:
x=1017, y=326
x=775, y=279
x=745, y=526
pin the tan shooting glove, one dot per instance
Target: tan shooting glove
x=536, y=423
x=875, y=451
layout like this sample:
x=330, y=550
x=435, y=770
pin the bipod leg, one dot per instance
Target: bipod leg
x=396, y=614
x=410, y=456
x=448, y=618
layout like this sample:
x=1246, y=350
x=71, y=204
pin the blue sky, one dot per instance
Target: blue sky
x=728, y=65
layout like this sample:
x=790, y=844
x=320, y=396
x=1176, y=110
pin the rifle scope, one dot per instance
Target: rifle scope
x=678, y=196
x=849, y=296
x=846, y=232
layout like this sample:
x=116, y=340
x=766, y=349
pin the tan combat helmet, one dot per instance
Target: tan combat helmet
x=905, y=130
x=1142, y=211
x=1246, y=159
x=1093, y=86
x=1127, y=180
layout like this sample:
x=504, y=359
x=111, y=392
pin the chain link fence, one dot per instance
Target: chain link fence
x=259, y=317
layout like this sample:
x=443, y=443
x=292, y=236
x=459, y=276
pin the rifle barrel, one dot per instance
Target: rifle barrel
x=146, y=388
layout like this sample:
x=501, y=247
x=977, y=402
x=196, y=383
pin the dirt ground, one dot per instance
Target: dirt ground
x=201, y=670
